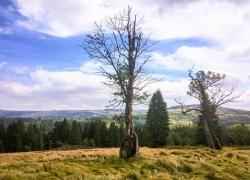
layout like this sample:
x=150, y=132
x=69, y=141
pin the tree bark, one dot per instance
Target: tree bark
x=209, y=114
x=130, y=146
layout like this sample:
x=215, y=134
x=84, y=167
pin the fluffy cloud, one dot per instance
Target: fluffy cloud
x=2, y=64
x=78, y=89
x=55, y=90
x=163, y=19
x=233, y=62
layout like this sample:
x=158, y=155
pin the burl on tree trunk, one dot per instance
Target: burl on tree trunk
x=129, y=146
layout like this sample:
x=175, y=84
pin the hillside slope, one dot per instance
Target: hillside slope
x=160, y=163
x=227, y=116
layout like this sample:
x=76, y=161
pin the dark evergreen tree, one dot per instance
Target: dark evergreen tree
x=92, y=129
x=113, y=135
x=61, y=132
x=15, y=136
x=139, y=132
x=41, y=137
x=2, y=137
x=75, y=133
x=157, y=123
x=103, y=135
x=19, y=134
x=121, y=132
x=31, y=137
x=201, y=136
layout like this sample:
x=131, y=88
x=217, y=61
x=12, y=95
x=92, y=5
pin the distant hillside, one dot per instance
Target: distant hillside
x=227, y=116
x=57, y=114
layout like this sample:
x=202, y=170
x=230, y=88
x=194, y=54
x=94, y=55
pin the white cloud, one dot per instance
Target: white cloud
x=2, y=64
x=55, y=90
x=220, y=20
x=5, y=30
x=225, y=60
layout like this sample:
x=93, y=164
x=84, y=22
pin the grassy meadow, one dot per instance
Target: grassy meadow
x=104, y=163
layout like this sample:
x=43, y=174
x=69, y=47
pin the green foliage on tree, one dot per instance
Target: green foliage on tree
x=239, y=135
x=182, y=136
x=15, y=136
x=34, y=136
x=75, y=133
x=201, y=136
x=157, y=123
x=113, y=135
x=2, y=137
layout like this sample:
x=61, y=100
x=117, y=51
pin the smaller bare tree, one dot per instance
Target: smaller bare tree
x=121, y=47
x=207, y=88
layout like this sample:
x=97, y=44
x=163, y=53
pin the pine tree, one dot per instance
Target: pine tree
x=157, y=121
x=20, y=131
x=15, y=136
x=139, y=132
x=31, y=137
x=41, y=137
x=113, y=135
x=103, y=132
x=75, y=133
x=2, y=138
x=121, y=132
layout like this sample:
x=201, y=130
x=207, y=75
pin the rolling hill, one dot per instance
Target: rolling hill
x=227, y=116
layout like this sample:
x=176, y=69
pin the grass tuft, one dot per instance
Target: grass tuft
x=186, y=168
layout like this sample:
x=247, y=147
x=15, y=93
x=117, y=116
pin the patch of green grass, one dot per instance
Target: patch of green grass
x=186, y=168
x=168, y=166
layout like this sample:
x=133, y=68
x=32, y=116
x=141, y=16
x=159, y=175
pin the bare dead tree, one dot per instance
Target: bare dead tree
x=207, y=88
x=122, y=48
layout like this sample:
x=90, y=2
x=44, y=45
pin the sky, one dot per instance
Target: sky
x=42, y=66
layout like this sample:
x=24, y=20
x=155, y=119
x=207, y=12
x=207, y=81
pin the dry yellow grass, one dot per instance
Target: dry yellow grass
x=103, y=163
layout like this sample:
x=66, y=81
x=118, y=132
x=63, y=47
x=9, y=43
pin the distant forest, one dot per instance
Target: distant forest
x=32, y=134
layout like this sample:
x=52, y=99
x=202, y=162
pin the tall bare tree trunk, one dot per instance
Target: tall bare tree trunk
x=209, y=114
x=208, y=134
x=130, y=145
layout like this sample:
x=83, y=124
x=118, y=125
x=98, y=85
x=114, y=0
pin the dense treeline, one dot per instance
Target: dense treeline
x=20, y=137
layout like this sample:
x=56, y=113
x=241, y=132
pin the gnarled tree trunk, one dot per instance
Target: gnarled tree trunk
x=130, y=146
x=209, y=114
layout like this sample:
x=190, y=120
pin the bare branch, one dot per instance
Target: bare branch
x=188, y=109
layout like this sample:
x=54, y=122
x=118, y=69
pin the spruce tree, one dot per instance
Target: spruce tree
x=157, y=121
x=2, y=137
x=113, y=135
x=75, y=133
